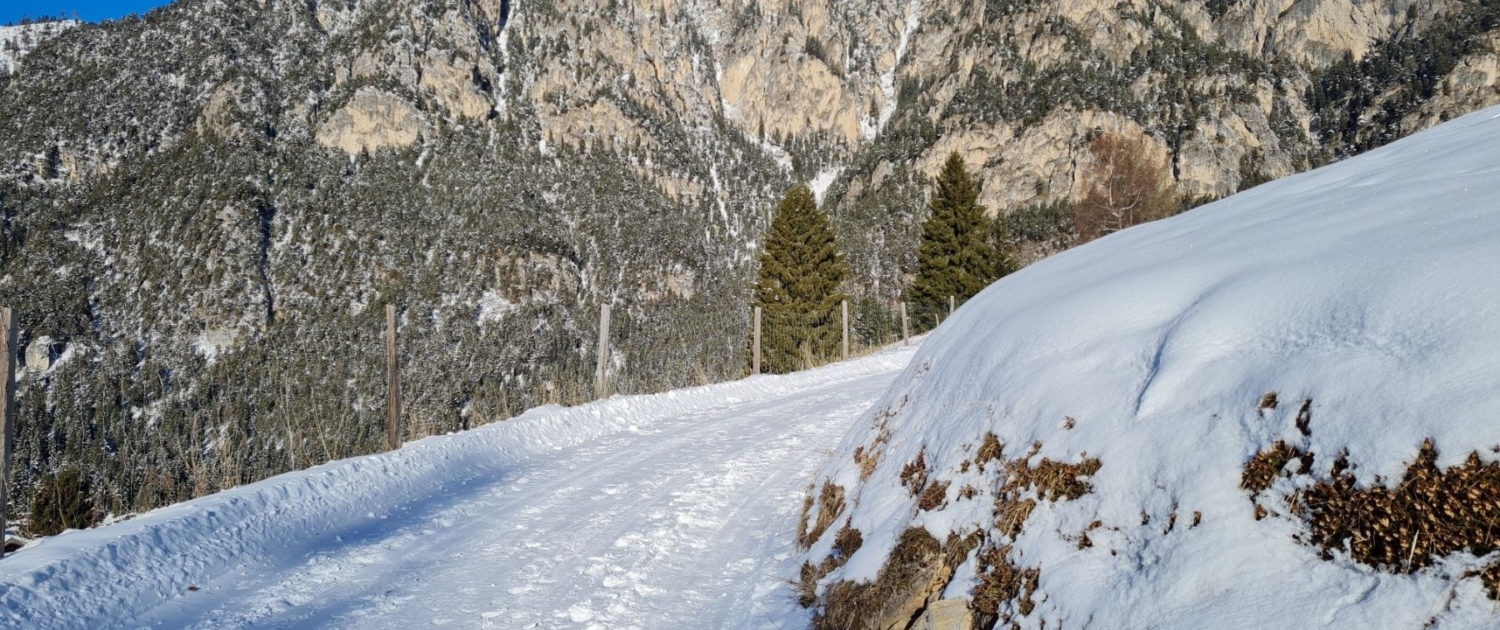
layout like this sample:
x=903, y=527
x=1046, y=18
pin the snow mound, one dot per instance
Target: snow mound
x=1370, y=288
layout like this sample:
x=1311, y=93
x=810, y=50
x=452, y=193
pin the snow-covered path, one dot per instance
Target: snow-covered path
x=681, y=518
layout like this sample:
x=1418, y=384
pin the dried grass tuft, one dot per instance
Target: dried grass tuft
x=933, y=497
x=1054, y=481
x=847, y=541
x=914, y=474
x=1267, y=402
x=868, y=458
x=1003, y=588
x=990, y=450
x=830, y=504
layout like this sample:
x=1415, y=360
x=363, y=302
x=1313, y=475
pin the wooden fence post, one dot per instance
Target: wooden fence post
x=755, y=340
x=845, y=304
x=950, y=306
x=905, y=327
x=7, y=413
x=392, y=383
x=601, y=373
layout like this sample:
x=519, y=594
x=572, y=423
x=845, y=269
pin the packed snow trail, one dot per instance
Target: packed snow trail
x=678, y=512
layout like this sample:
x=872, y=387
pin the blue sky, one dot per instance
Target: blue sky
x=91, y=10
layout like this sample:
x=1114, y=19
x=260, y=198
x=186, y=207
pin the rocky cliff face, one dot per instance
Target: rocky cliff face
x=205, y=208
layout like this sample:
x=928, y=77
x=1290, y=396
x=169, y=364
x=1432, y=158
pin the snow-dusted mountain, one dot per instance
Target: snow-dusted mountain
x=17, y=40
x=205, y=208
x=1277, y=410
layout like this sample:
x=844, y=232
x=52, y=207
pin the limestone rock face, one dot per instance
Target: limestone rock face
x=1473, y=85
x=372, y=120
x=453, y=87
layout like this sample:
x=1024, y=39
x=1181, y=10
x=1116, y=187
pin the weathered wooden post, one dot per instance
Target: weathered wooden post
x=755, y=340
x=845, y=304
x=7, y=413
x=392, y=382
x=905, y=327
x=601, y=373
x=950, y=306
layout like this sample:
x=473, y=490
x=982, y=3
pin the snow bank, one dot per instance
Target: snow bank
x=84, y=579
x=1370, y=287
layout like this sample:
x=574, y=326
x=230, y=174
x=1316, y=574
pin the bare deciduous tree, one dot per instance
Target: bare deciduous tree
x=1125, y=186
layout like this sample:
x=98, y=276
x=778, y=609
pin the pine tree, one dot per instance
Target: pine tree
x=956, y=257
x=798, y=289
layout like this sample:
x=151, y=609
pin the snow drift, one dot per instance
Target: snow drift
x=1117, y=392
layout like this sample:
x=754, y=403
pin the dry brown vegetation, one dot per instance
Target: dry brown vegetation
x=1005, y=589
x=990, y=450
x=830, y=504
x=847, y=541
x=933, y=496
x=867, y=457
x=1430, y=514
x=920, y=567
x=1001, y=585
x=1126, y=185
x=914, y=474
x=1263, y=469
x=1267, y=402
x=1053, y=481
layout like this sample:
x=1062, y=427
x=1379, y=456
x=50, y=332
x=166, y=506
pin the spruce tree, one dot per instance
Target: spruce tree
x=801, y=269
x=956, y=257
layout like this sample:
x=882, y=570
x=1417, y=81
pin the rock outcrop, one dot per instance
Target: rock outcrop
x=371, y=121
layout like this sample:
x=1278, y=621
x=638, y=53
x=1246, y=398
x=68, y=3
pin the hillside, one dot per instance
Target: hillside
x=205, y=208
x=1272, y=411
x=17, y=40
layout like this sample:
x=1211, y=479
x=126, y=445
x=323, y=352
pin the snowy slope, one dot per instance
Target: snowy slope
x=665, y=511
x=1370, y=287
